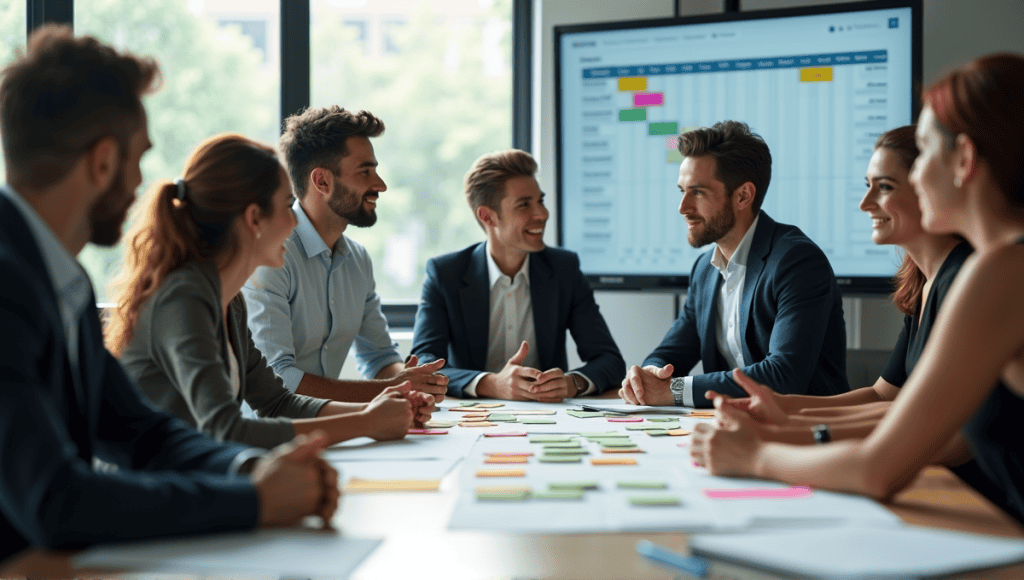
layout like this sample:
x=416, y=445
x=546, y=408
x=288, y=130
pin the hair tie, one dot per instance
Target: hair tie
x=180, y=184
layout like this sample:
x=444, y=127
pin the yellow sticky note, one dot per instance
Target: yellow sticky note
x=501, y=473
x=678, y=432
x=506, y=460
x=476, y=424
x=365, y=485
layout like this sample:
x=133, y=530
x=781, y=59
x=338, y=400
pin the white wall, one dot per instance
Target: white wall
x=954, y=32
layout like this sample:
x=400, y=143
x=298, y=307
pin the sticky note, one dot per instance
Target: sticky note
x=663, y=419
x=503, y=489
x=366, y=485
x=559, y=458
x=573, y=485
x=703, y=414
x=622, y=450
x=654, y=500
x=625, y=420
x=633, y=84
x=468, y=419
x=562, y=494
x=794, y=492
x=678, y=432
x=501, y=418
x=506, y=460
x=618, y=443
x=507, y=434
x=467, y=403
x=536, y=421
x=439, y=424
x=565, y=451
x=644, y=427
x=476, y=424
x=501, y=472
x=428, y=431
x=637, y=484
x=657, y=432
x=551, y=438
x=613, y=461
x=650, y=100
x=502, y=495
x=584, y=414
x=490, y=405
x=509, y=454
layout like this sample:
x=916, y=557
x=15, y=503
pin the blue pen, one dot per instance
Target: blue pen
x=694, y=566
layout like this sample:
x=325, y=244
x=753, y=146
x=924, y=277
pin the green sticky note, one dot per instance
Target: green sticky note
x=642, y=485
x=574, y=494
x=618, y=444
x=536, y=421
x=654, y=500
x=572, y=485
x=585, y=414
x=467, y=403
x=663, y=419
x=502, y=418
x=565, y=451
x=503, y=495
x=642, y=427
x=559, y=458
x=614, y=414
x=551, y=438
x=657, y=432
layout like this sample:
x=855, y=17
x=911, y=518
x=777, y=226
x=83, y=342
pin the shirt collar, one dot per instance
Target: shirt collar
x=66, y=274
x=310, y=239
x=739, y=257
x=494, y=273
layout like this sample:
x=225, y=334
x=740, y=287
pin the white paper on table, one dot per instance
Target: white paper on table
x=391, y=470
x=861, y=550
x=292, y=552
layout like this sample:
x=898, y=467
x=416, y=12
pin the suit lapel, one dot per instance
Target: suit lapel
x=708, y=319
x=760, y=247
x=544, y=297
x=476, y=300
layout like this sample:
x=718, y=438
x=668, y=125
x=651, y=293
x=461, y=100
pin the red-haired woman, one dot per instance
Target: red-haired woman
x=966, y=394
x=180, y=323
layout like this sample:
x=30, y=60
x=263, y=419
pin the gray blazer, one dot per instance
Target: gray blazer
x=178, y=356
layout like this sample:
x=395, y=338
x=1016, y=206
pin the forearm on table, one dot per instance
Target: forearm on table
x=797, y=403
x=841, y=415
x=340, y=408
x=340, y=390
x=840, y=466
x=803, y=435
x=338, y=428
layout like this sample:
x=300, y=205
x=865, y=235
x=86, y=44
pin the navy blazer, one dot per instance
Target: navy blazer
x=791, y=320
x=54, y=420
x=454, y=315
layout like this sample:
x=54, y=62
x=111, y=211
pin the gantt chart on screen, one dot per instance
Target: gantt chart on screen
x=819, y=90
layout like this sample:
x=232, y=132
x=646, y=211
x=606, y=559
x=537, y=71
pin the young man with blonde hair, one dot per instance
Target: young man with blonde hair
x=498, y=311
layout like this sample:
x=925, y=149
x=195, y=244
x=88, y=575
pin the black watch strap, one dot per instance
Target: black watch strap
x=821, y=433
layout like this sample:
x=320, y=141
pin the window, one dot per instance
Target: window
x=12, y=36
x=439, y=74
x=221, y=73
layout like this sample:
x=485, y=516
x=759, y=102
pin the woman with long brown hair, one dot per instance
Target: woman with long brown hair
x=180, y=323
x=966, y=394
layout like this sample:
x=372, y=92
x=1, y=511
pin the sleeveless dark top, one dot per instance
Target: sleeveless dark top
x=995, y=435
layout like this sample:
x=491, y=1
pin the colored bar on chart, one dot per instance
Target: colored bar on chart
x=633, y=84
x=673, y=157
x=661, y=129
x=821, y=74
x=648, y=99
x=633, y=115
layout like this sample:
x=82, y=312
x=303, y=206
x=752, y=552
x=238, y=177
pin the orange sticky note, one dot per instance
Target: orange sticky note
x=490, y=405
x=501, y=473
x=503, y=489
x=613, y=461
x=703, y=414
x=622, y=450
x=678, y=432
x=476, y=424
x=366, y=485
x=506, y=460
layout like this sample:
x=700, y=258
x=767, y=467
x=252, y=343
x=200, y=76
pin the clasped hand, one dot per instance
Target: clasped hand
x=519, y=383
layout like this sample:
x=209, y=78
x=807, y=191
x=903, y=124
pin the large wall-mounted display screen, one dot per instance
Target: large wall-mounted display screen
x=819, y=84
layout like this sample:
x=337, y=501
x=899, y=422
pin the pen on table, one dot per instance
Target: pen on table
x=694, y=566
x=591, y=409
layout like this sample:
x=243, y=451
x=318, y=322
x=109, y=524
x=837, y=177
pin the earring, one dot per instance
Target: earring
x=958, y=181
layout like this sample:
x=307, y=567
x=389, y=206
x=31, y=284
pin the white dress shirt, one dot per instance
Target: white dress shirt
x=510, y=322
x=727, y=317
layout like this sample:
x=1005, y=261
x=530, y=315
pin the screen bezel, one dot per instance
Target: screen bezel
x=672, y=283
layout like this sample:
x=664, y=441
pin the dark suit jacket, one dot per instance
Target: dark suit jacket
x=791, y=320
x=53, y=420
x=454, y=315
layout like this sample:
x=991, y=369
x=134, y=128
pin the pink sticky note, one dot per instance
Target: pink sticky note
x=507, y=434
x=672, y=143
x=625, y=419
x=648, y=99
x=794, y=492
x=428, y=431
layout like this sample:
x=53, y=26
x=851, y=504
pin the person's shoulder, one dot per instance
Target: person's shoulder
x=790, y=240
x=559, y=256
x=456, y=260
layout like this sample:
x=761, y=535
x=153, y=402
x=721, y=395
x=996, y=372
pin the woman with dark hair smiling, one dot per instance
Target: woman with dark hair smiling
x=966, y=394
x=180, y=323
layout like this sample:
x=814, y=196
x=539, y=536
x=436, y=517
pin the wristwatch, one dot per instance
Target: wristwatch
x=576, y=380
x=677, y=385
x=821, y=434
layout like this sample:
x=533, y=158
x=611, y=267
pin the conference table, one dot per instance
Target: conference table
x=417, y=542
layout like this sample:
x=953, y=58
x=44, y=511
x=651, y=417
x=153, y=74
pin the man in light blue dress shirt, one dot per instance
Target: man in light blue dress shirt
x=307, y=315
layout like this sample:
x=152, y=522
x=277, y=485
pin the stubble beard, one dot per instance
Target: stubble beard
x=715, y=227
x=108, y=214
x=348, y=204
